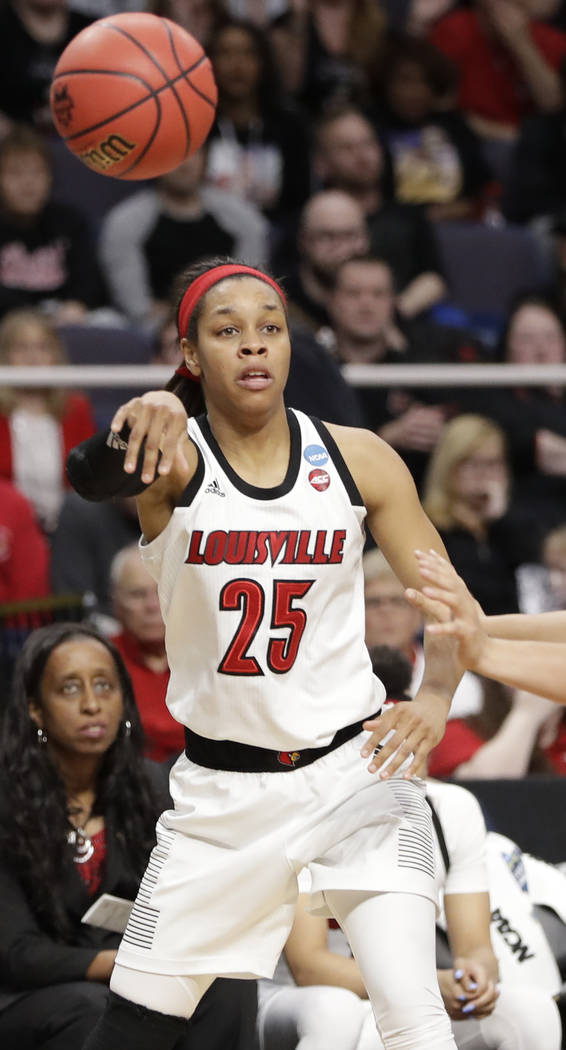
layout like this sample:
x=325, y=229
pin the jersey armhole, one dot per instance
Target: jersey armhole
x=339, y=462
x=189, y=492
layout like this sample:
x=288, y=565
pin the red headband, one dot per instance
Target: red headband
x=201, y=285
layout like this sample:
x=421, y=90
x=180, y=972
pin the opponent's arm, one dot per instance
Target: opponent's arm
x=526, y=652
x=146, y=454
x=399, y=524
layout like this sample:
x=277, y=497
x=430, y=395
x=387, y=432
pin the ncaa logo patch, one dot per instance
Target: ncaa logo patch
x=316, y=455
x=319, y=480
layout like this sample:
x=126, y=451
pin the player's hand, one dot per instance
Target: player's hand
x=406, y=733
x=159, y=418
x=446, y=601
x=467, y=990
x=418, y=428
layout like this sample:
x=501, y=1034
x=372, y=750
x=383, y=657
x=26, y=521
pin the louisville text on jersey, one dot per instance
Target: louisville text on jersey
x=285, y=547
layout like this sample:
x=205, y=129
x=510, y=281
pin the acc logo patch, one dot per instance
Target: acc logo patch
x=319, y=480
x=316, y=455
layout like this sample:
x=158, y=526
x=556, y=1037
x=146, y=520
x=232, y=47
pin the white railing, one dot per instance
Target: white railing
x=150, y=377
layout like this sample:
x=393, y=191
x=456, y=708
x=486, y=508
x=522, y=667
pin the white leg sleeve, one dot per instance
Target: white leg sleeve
x=310, y=1018
x=524, y=1019
x=177, y=996
x=392, y=936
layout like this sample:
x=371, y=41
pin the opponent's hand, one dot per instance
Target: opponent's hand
x=405, y=732
x=446, y=600
x=159, y=418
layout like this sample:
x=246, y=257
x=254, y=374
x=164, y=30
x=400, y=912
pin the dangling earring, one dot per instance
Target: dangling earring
x=41, y=736
x=127, y=728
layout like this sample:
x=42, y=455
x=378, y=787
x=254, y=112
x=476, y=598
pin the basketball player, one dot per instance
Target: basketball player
x=493, y=646
x=253, y=527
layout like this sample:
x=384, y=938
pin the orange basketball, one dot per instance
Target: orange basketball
x=133, y=95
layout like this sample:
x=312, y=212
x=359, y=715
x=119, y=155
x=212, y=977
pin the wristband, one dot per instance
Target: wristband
x=95, y=468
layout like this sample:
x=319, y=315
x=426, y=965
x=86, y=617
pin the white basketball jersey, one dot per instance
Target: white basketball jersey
x=261, y=593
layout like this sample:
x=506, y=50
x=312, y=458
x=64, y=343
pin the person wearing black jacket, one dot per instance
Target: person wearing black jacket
x=46, y=253
x=77, y=818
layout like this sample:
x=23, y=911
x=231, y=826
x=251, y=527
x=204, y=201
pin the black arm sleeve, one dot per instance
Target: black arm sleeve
x=95, y=468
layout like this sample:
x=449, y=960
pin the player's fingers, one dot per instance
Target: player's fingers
x=487, y=999
x=426, y=606
x=153, y=437
x=121, y=415
x=138, y=420
x=449, y=627
x=175, y=430
x=442, y=594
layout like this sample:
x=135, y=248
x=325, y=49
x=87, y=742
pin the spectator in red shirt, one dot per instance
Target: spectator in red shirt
x=24, y=554
x=38, y=427
x=508, y=63
x=514, y=734
x=141, y=643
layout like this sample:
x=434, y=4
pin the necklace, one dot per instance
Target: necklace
x=83, y=846
x=78, y=838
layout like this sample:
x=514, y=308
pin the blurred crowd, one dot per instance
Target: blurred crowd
x=400, y=166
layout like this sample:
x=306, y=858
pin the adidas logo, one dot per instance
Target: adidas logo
x=215, y=489
x=115, y=441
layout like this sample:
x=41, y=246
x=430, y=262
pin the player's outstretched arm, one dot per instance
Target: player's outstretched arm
x=525, y=652
x=146, y=454
x=399, y=525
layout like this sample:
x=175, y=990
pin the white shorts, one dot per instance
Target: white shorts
x=219, y=893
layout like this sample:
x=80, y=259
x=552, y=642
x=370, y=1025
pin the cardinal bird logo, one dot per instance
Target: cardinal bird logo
x=288, y=758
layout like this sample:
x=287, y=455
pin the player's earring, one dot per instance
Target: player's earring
x=127, y=728
x=41, y=736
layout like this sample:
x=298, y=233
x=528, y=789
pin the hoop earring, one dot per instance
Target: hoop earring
x=127, y=728
x=41, y=737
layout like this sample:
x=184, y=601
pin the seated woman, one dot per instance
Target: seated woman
x=77, y=820
x=38, y=427
x=467, y=496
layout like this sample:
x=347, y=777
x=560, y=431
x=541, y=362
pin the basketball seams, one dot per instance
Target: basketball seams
x=169, y=83
x=205, y=98
x=180, y=68
x=152, y=93
x=162, y=47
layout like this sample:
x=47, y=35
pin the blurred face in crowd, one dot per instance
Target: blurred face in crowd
x=390, y=620
x=484, y=467
x=409, y=93
x=528, y=6
x=136, y=603
x=81, y=704
x=31, y=344
x=535, y=337
x=196, y=16
x=333, y=229
x=349, y=154
x=25, y=183
x=237, y=66
x=554, y=557
x=185, y=180
x=362, y=305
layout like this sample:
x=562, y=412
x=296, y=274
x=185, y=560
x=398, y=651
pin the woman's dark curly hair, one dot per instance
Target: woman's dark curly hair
x=190, y=393
x=35, y=825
